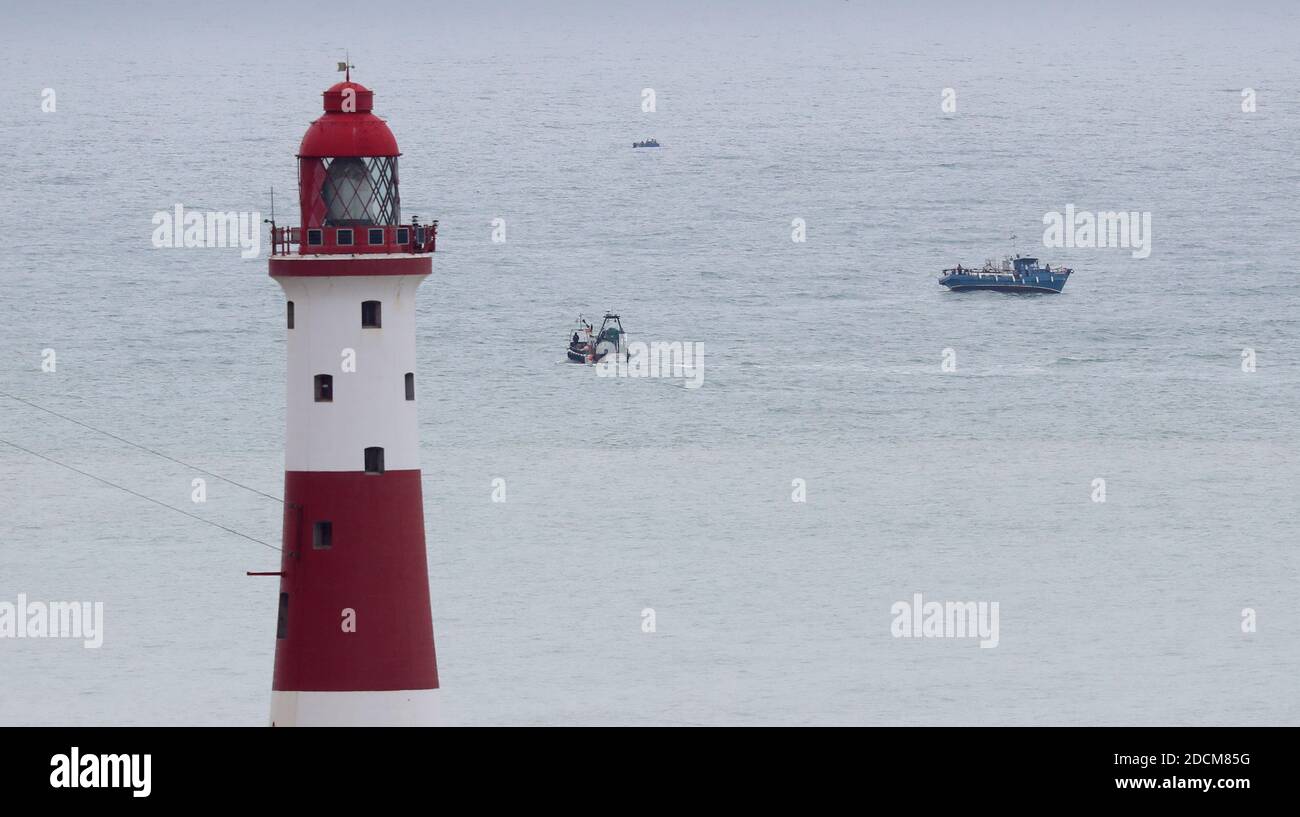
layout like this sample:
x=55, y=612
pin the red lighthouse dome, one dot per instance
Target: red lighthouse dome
x=348, y=127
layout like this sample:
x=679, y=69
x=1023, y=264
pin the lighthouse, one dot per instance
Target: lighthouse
x=354, y=634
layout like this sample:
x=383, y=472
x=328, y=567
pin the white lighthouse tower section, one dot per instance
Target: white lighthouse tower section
x=402, y=707
x=367, y=403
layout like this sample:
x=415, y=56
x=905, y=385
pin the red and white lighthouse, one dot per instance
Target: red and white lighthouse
x=354, y=639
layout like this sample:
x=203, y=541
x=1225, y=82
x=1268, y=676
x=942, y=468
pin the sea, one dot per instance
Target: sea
x=1115, y=466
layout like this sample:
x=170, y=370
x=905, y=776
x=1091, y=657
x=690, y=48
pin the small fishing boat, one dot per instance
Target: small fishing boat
x=586, y=345
x=1013, y=275
x=649, y=143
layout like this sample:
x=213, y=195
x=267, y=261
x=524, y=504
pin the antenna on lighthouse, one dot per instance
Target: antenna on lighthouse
x=271, y=221
x=346, y=66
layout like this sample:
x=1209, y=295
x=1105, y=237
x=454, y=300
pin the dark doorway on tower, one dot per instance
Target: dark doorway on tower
x=374, y=460
x=370, y=317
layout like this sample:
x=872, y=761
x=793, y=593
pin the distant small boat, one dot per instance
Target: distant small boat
x=588, y=346
x=1014, y=275
x=649, y=143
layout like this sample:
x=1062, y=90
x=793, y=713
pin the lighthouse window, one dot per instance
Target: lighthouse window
x=370, y=316
x=410, y=385
x=314, y=238
x=322, y=536
x=374, y=460
x=403, y=236
x=376, y=236
x=360, y=191
x=324, y=388
x=282, y=621
x=291, y=314
x=344, y=238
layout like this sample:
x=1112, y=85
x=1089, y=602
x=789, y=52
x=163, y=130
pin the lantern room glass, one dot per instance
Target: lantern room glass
x=360, y=191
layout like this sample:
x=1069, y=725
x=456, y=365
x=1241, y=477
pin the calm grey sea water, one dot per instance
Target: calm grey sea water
x=822, y=358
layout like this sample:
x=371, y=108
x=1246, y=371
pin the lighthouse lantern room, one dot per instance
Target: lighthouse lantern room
x=354, y=638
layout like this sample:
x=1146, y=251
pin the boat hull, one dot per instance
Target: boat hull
x=1002, y=288
x=967, y=283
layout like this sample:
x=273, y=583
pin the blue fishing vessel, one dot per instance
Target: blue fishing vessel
x=1013, y=275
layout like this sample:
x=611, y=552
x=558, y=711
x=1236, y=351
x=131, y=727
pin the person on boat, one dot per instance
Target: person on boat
x=575, y=339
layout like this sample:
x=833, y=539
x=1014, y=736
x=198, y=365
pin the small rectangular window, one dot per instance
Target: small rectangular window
x=370, y=316
x=314, y=238
x=343, y=237
x=282, y=622
x=322, y=536
x=374, y=460
x=324, y=388
x=376, y=236
x=291, y=314
x=410, y=385
x=403, y=236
